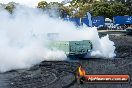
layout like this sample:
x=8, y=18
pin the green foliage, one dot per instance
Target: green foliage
x=109, y=9
x=10, y=7
x=54, y=5
x=79, y=8
x=82, y=9
x=119, y=9
x=65, y=10
x=42, y=4
x=82, y=1
x=127, y=3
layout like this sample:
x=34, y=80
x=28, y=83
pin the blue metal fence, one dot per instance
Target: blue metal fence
x=77, y=21
x=122, y=20
x=98, y=21
x=85, y=21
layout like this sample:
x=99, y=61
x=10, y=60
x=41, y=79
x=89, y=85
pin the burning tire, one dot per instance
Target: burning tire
x=80, y=73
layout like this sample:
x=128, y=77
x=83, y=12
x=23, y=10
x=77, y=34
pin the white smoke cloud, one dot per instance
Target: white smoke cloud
x=23, y=38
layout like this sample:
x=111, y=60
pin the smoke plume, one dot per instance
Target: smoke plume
x=23, y=38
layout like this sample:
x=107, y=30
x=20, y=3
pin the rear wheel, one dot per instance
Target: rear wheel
x=81, y=80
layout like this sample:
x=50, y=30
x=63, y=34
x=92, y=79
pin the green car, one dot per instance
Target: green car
x=129, y=31
x=72, y=48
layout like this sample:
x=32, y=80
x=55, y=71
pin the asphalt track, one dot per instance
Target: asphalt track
x=62, y=74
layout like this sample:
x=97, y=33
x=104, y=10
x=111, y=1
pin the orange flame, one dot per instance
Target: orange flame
x=81, y=71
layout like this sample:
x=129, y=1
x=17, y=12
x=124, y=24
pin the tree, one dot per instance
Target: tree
x=127, y=3
x=119, y=9
x=58, y=7
x=42, y=5
x=109, y=9
x=81, y=7
x=10, y=7
x=64, y=11
x=83, y=1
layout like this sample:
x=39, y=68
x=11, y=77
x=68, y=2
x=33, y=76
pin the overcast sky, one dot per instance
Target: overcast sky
x=28, y=2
